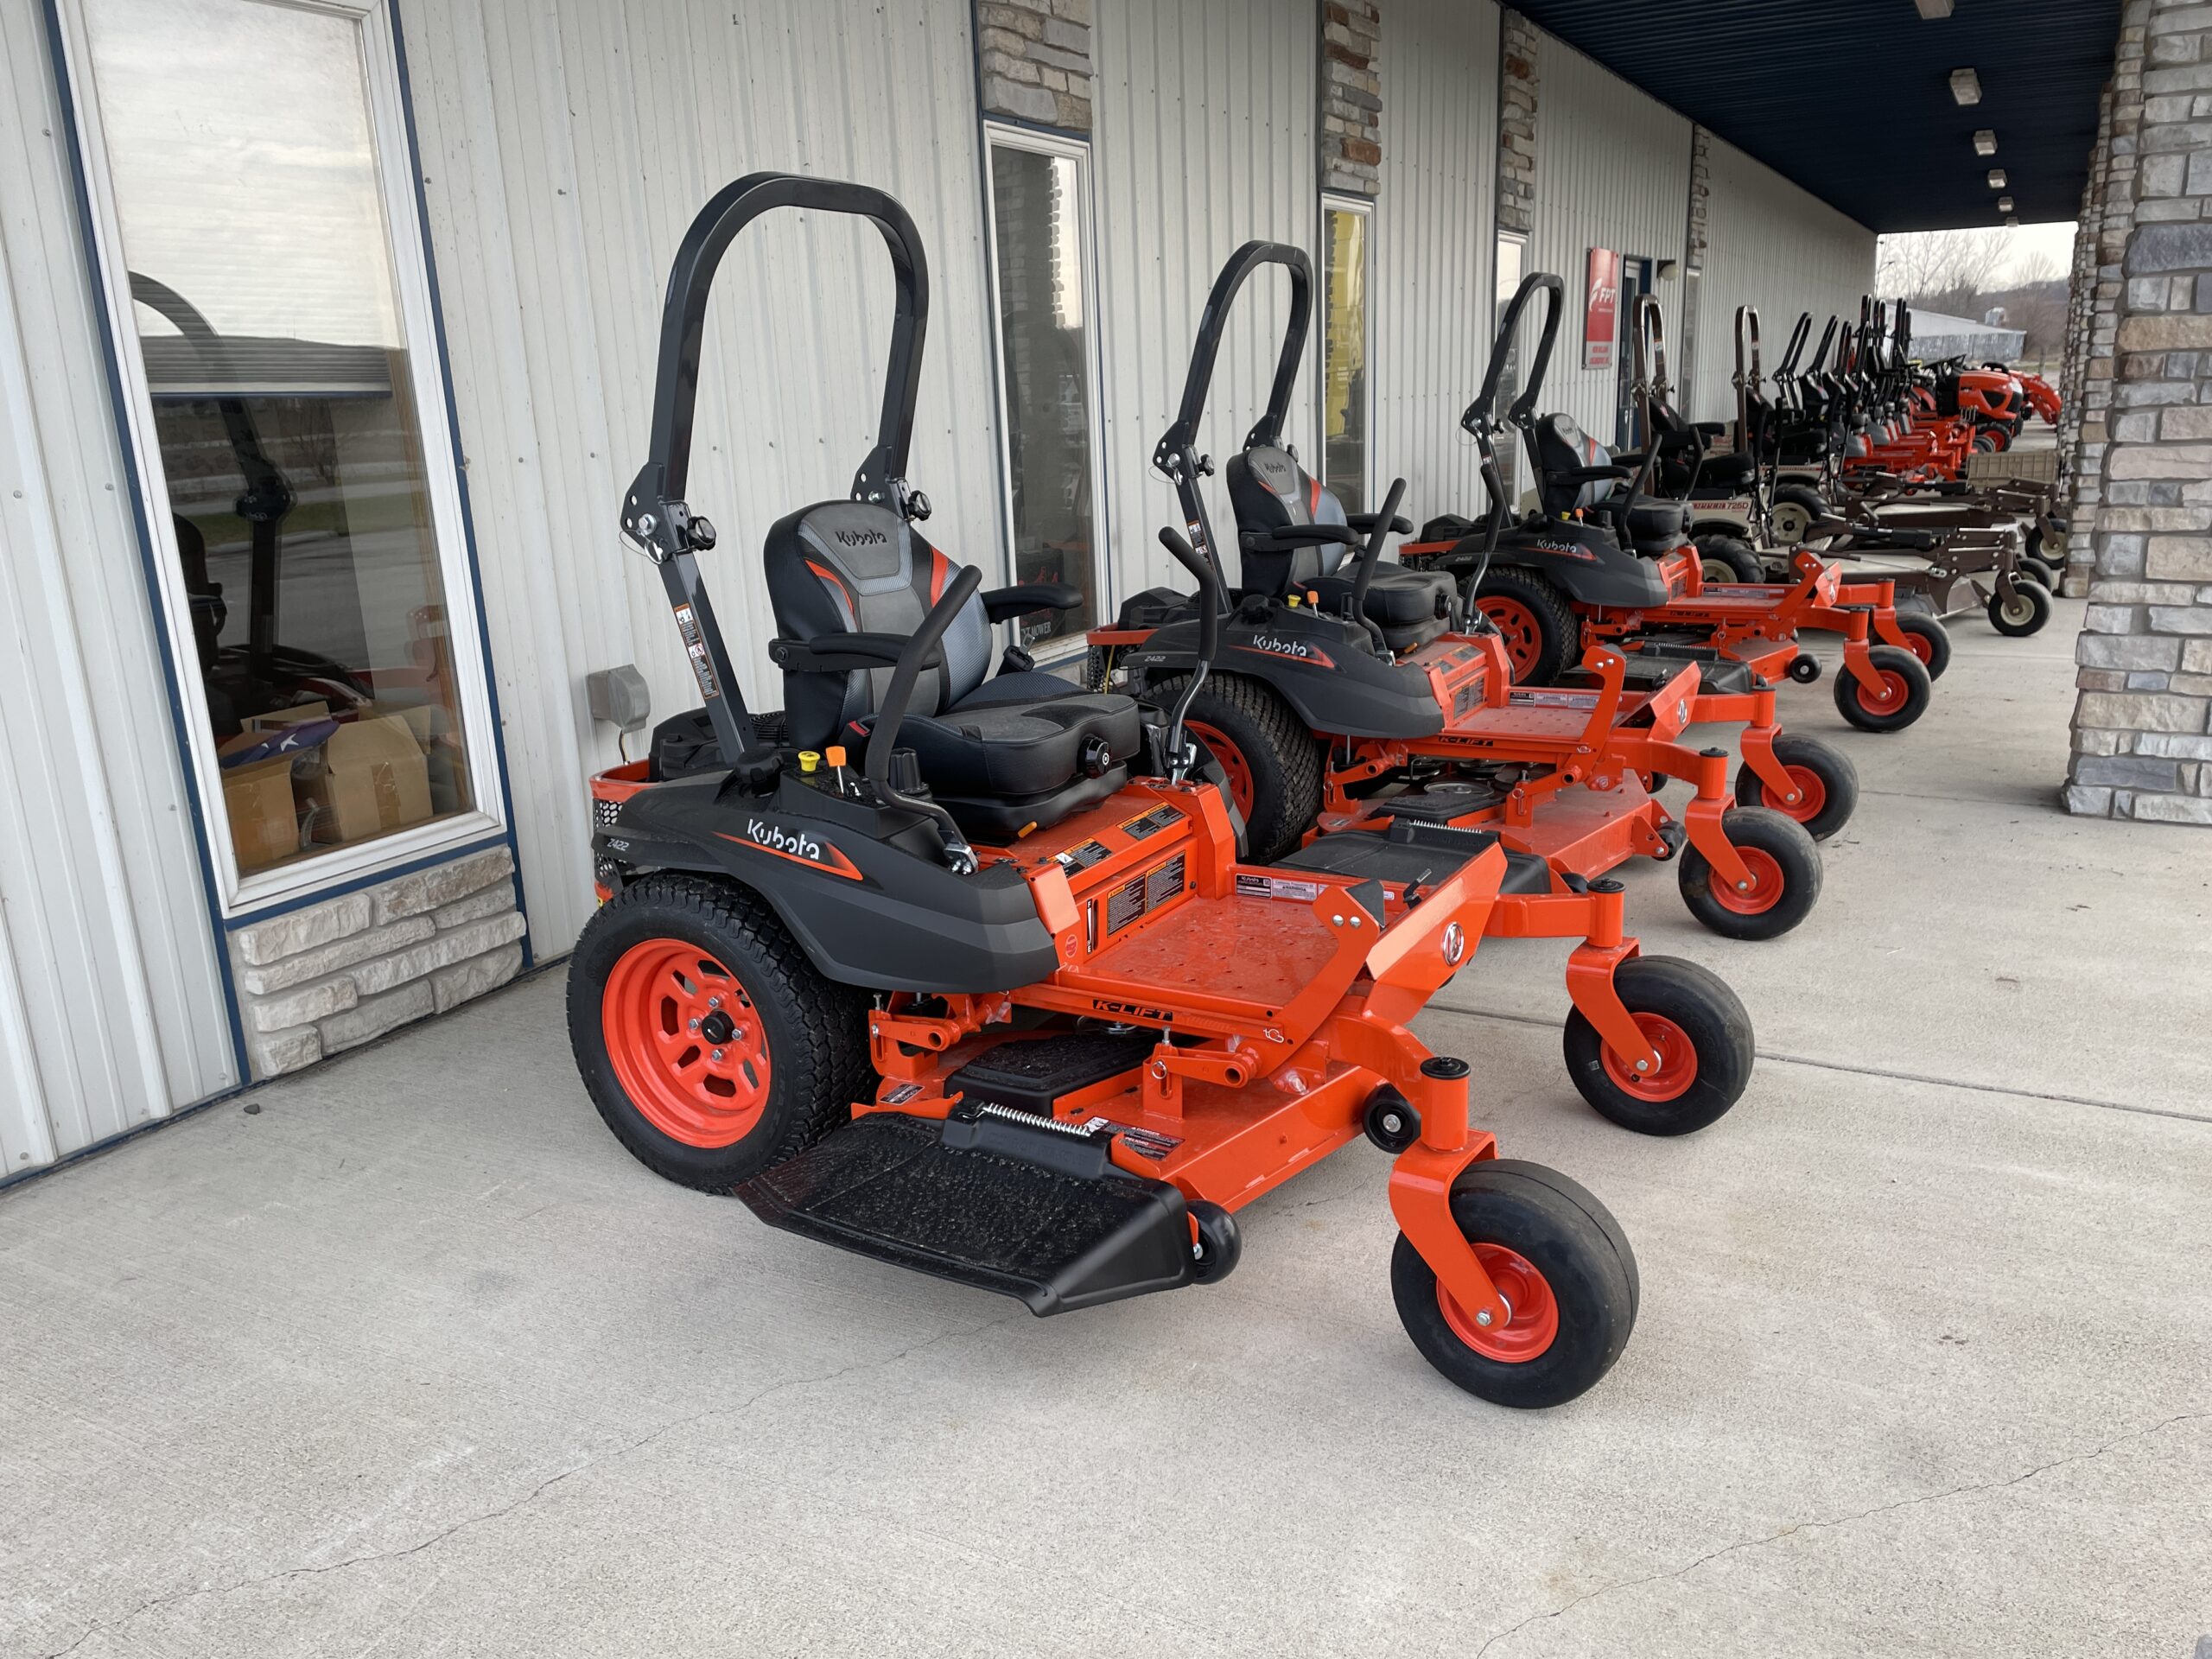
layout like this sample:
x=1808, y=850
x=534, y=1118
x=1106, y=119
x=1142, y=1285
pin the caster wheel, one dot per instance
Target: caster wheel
x=1805, y=670
x=1902, y=699
x=1216, y=1244
x=1826, y=781
x=1561, y=1265
x=707, y=1041
x=2023, y=613
x=1785, y=877
x=1391, y=1122
x=2041, y=571
x=1926, y=640
x=1704, y=1039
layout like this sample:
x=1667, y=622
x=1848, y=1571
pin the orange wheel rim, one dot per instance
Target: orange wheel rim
x=1524, y=638
x=1812, y=796
x=1531, y=1323
x=1891, y=698
x=686, y=1042
x=1765, y=890
x=1920, y=645
x=1232, y=762
x=1670, y=1079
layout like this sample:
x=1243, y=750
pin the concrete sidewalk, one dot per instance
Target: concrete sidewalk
x=417, y=1360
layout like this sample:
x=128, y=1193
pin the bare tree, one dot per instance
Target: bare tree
x=1942, y=271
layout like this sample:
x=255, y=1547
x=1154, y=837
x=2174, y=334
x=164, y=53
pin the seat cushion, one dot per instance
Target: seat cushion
x=1026, y=748
x=1396, y=598
x=1656, y=526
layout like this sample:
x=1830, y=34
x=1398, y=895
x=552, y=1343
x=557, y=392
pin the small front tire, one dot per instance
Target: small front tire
x=2023, y=613
x=1559, y=1261
x=1785, y=877
x=1826, y=781
x=1927, y=639
x=1703, y=1036
x=1902, y=699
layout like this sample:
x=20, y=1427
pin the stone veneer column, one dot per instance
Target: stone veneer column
x=2080, y=315
x=324, y=978
x=2143, y=728
x=1352, y=98
x=1519, y=60
x=1036, y=61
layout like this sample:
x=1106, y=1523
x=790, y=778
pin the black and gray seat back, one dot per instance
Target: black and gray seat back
x=1269, y=490
x=845, y=566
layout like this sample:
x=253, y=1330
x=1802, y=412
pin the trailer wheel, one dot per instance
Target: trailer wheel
x=1560, y=1263
x=707, y=1041
x=1927, y=641
x=1541, y=631
x=2040, y=570
x=1795, y=508
x=1902, y=700
x=1826, y=781
x=1272, y=762
x=1785, y=877
x=2023, y=613
x=1704, y=1038
x=1725, y=559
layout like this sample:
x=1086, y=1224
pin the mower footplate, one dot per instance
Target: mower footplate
x=1027, y=1210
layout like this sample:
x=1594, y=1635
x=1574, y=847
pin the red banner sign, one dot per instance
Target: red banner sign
x=1601, y=306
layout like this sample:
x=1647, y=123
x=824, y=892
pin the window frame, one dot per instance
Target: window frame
x=1031, y=140
x=343, y=865
x=1332, y=202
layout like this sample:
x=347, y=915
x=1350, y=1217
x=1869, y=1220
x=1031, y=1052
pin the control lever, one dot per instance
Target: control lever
x=883, y=740
x=1372, y=555
x=1182, y=754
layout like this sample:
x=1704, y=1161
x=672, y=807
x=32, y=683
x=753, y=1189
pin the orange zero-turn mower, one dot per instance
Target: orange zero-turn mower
x=964, y=972
x=1349, y=697
x=1600, y=561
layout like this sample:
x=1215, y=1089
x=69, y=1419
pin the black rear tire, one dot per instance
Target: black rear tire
x=1568, y=1255
x=2028, y=610
x=1706, y=1058
x=1736, y=557
x=1547, y=638
x=1827, y=784
x=816, y=1031
x=1906, y=681
x=1934, y=648
x=1257, y=737
x=1785, y=868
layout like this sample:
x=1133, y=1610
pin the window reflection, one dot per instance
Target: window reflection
x=1343, y=359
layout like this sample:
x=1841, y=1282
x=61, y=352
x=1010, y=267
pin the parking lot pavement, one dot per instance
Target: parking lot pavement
x=417, y=1360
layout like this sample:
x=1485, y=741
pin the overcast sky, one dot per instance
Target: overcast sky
x=2028, y=243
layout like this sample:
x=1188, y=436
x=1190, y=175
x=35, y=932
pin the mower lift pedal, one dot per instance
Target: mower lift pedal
x=986, y=1198
x=1441, y=802
x=1032, y=1075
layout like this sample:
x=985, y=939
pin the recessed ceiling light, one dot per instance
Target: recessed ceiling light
x=1984, y=143
x=1997, y=178
x=2012, y=224
x=1934, y=10
x=2004, y=204
x=1966, y=87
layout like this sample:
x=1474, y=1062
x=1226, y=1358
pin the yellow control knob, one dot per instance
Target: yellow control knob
x=809, y=760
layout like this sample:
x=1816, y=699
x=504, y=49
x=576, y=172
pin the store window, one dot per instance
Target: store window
x=1040, y=247
x=1512, y=266
x=257, y=235
x=1345, y=338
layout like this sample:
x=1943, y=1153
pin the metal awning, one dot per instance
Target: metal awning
x=1852, y=99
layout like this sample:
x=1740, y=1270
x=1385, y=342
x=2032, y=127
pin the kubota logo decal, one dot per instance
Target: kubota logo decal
x=859, y=537
x=1267, y=644
x=1567, y=550
x=800, y=846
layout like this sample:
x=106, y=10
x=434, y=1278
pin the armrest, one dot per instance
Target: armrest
x=1004, y=604
x=839, y=654
x=1364, y=523
x=1296, y=535
x=1592, y=474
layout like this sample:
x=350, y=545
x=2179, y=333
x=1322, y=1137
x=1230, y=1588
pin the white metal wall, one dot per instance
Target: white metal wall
x=1434, y=227
x=566, y=147
x=112, y=1009
x=1204, y=117
x=1770, y=244
x=1613, y=171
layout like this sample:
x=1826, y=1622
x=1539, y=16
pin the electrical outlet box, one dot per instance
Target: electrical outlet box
x=620, y=696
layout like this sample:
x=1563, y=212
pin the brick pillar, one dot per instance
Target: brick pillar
x=2080, y=315
x=1694, y=239
x=2143, y=728
x=1036, y=61
x=1519, y=60
x=1352, y=98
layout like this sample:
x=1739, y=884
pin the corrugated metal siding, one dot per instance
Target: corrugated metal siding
x=566, y=148
x=1775, y=246
x=1204, y=118
x=1613, y=171
x=111, y=1010
x=1432, y=240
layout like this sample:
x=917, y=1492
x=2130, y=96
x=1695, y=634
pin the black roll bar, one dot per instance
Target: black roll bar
x=1479, y=412
x=1181, y=438
x=654, y=512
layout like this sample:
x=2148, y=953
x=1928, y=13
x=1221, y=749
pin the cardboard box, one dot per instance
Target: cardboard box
x=374, y=781
x=264, y=817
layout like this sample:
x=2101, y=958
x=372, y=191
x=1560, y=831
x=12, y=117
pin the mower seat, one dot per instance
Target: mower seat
x=1268, y=490
x=1564, y=450
x=1000, y=754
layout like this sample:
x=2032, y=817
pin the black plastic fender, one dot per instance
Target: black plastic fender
x=1323, y=667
